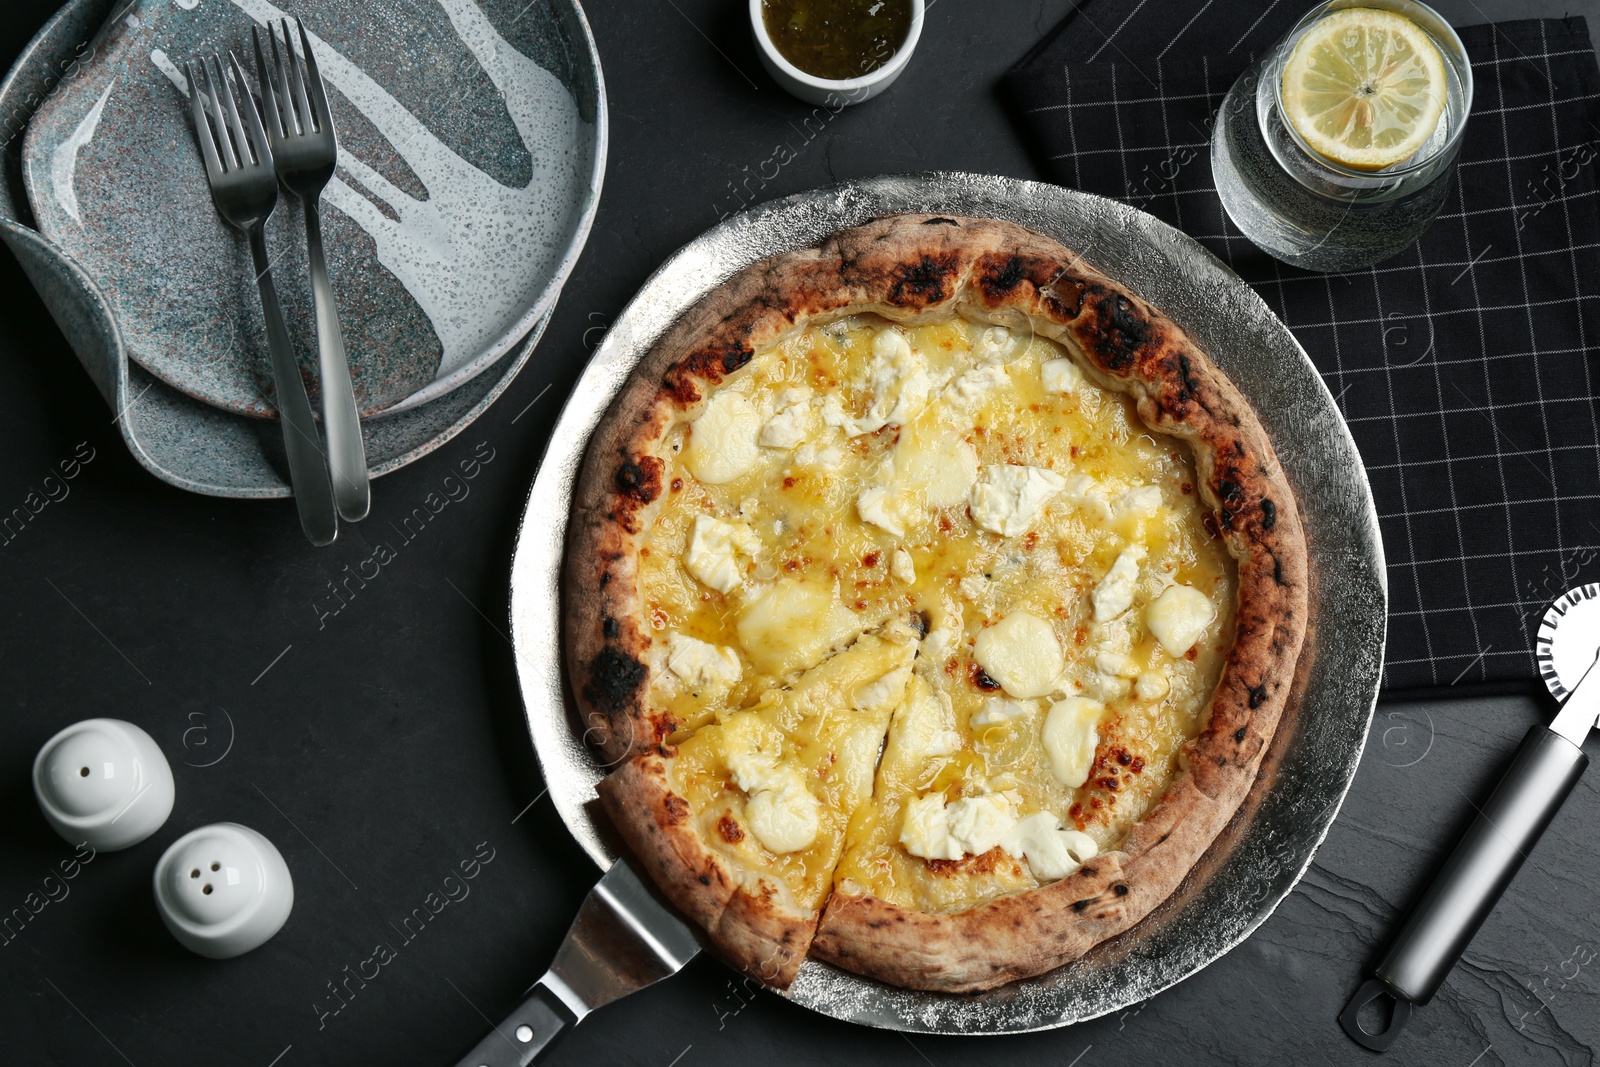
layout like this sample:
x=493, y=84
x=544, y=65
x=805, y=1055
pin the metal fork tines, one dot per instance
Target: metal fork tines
x=245, y=190
x=306, y=151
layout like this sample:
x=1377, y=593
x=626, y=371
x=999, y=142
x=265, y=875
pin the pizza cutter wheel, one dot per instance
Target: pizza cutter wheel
x=1508, y=826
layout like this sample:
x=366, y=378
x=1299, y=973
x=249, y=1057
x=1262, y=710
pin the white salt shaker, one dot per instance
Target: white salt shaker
x=223, y=890
x=103, y=782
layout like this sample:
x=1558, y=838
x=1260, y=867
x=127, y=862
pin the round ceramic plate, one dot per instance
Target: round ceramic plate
x=1261, y=854
x=472, y=145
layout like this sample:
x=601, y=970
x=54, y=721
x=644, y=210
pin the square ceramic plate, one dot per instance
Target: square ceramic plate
x=471, y=153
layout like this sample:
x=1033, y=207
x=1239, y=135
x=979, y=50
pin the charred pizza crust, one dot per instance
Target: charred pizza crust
x=911, y=268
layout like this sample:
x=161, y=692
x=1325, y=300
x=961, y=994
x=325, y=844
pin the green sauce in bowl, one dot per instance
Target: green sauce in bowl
x=837, y=39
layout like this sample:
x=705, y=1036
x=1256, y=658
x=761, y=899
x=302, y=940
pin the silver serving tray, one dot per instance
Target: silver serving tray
x=1262, y=853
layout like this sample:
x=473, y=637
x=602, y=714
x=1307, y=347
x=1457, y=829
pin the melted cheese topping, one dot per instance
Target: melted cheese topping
x=1076, y=609
x=773, y=786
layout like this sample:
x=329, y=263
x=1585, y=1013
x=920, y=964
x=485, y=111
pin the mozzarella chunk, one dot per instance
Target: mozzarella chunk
x=1070, y=735
x=1089, y=497
x=1052, y=852
x=1115, y=636
x=812, y=454
x=722, y=441
x=793, y=625
x=1151, y=686
x=936, y=645
x=781, y=811
x=1116, y=664
x=933, y=829
x=899, y=384
x=1060, y=375
x=1008, y=496
x=924, y=726
x=882, y=507
x=789, y=427
x=753, y=768
x=883, y=692
x=931, y=467
x=714, y=548
x=933, y=463
x=979, y=823
x=891, y=345
x=972, y=387
x=998, y=711
x=834, y=414
x=785, y=819
x=995, y=345
x=913, y=395
x=1114, y=594
x=1143, y=501
x=1179, y=618
x=1022, y=654
x=701, y=663
x=925, y=829
x=1107, y=687
x=903, y=567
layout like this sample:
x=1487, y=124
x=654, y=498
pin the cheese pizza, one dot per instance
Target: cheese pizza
x=934, y=600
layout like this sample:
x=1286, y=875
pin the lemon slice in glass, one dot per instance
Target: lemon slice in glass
x=1365, y=88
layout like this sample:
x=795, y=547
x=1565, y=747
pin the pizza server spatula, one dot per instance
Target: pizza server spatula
x=1506, y=828
x=623, y=939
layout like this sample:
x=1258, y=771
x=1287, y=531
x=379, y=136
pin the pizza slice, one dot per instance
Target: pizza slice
x=984, y=795
x=743, y=821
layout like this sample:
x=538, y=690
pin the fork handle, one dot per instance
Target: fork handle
x=308, y=474
x=346, y=455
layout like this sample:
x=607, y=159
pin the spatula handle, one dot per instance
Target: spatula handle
x=1465, y=890
x=623, y=939
x=524, y=1036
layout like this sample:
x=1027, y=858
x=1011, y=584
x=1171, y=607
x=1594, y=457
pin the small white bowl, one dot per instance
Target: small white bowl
x=833, y=92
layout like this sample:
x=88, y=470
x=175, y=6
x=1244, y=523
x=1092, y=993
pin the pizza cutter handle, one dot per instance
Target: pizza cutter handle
x=1465, y=890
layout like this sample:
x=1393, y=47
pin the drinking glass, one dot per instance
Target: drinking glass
x=1302, y=207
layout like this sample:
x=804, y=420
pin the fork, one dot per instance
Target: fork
x=305, y=151
x=245, y=190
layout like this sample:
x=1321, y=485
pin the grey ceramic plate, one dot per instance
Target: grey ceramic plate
x=471, y=151
x=1262, y=853
x=180, y=440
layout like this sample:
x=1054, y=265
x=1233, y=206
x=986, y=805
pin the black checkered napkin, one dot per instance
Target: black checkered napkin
x=1466, y=365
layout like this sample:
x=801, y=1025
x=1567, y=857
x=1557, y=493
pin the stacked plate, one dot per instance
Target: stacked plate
x=472, y=148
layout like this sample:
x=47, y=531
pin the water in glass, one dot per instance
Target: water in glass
x=1302, y=207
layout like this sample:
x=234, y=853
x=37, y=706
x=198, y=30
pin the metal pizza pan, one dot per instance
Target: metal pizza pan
x=1262, y=853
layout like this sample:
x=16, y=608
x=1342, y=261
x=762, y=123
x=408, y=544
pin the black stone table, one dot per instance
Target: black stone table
x=382, y=747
